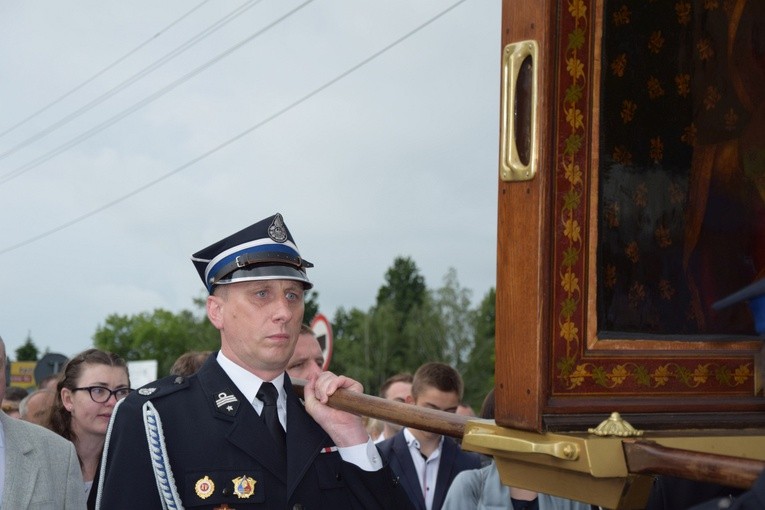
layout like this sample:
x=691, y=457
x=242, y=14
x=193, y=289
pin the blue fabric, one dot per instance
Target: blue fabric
x=482, y=489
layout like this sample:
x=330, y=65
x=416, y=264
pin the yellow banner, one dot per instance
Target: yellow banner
x=23, y=374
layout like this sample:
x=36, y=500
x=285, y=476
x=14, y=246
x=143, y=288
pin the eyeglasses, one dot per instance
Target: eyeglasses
x=101, y=395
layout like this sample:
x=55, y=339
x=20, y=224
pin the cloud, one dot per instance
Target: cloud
x=398, y=158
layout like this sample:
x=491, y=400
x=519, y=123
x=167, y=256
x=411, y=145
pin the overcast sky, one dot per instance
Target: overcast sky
x=136, y=133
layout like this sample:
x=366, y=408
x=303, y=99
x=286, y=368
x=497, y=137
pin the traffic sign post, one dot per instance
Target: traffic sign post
x=323, y=331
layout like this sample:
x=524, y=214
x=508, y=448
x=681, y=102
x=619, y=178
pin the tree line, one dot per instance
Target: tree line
x=408, y=325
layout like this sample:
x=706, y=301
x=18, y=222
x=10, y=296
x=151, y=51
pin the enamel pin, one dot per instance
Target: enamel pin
x=204, y=487
x=244, y=486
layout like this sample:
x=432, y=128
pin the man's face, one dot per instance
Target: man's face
x=398, y=391
x=307, y=360
x=259, y=322
x=433, y=398
x=465, y=410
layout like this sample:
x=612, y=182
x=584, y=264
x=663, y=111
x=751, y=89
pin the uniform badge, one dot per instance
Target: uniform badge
x=277, y=231
x=244, y=486
x=227, y=402
x=204, y=487
x=146, y=391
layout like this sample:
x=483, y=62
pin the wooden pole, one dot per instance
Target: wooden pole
x=421, y=418
x=643, y=456
x=648, y=457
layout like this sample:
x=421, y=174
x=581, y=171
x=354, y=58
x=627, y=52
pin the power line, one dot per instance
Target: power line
x=102, y=71
x=132, y=79
x=140, y=104
x=239, y=136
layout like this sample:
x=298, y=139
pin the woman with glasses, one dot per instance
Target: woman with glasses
x=89, y=387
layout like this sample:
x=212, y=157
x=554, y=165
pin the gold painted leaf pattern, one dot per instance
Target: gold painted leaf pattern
x=619, y=65
x=655, y=42
x=683, y=11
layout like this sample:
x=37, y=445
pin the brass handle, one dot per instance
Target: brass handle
x=566, y=450
x=518, y=128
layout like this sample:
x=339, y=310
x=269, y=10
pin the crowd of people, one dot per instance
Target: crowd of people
x=226, y=430
x=429, y=467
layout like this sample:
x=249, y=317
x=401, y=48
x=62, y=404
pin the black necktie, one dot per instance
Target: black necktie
x=268, y=394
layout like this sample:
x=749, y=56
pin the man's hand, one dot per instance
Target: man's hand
x=344, y=428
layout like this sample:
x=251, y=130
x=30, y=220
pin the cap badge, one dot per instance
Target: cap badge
x=227, y=403
x=204, y=487
x=146, y=391
x=244, y=486
x=277, y=231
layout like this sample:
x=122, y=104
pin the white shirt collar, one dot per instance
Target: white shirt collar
x=249, y=383
x=412, y=441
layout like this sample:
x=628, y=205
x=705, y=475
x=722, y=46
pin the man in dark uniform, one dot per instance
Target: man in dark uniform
x=216, y=440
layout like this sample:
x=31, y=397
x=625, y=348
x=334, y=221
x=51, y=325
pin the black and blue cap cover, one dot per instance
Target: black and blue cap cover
x=754, y=295
x=262, y=251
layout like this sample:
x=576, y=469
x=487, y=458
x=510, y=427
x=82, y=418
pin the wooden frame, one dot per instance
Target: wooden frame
x=554, y=371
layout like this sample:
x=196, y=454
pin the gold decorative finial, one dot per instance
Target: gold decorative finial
x=615, y=426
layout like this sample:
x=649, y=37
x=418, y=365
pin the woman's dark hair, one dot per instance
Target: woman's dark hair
x=487, y=408
x=60, y=420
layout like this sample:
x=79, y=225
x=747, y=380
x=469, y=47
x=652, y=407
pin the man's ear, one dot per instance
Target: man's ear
x=409, y=399
x=215, y=311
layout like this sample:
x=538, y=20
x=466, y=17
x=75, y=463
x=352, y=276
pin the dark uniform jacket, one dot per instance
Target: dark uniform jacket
x=671, y=493
x=753, y=499
x=220, y=453
x=453, y=460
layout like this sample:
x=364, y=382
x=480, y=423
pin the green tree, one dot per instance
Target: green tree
x=351, y=350
x=453, y=305
x=479, y=370
x=28, y=351
x=311, y=306
x=160, y=335
x=401, y=332
x=404, y=287
x=395, y=325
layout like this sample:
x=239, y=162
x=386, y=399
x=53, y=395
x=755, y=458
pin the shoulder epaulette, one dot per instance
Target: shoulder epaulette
x=162, y=387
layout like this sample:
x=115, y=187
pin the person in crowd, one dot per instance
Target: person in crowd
x=396, y=387
x=189, y=362
x=307, y=359
x=48, y=382
x=91, y=384
x=235, y=435
x=374, y=428
x=13, y=397
x=35, y=407
x=426, y=462
x=753, y=499
x=465, y=409
x=11, y=408
x=38, y=469
x=482, y=489
x=15, y=394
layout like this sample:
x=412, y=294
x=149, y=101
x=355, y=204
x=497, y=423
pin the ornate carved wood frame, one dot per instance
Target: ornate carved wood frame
x=554, y=371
